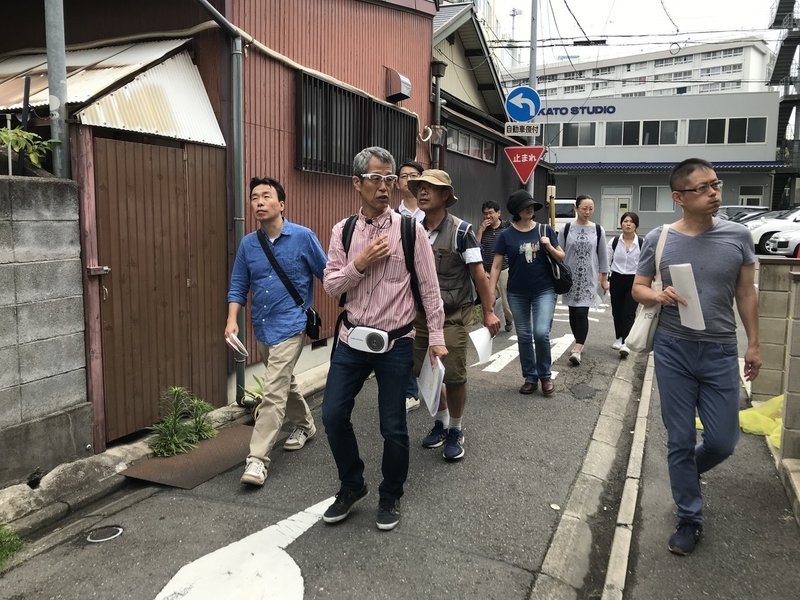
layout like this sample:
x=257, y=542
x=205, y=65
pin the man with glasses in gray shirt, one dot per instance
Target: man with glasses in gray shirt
x=698, y=371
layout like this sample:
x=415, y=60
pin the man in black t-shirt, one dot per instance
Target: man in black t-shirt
x=487, y=233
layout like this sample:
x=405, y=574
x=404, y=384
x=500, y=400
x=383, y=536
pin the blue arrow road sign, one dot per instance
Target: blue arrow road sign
x=523, y=103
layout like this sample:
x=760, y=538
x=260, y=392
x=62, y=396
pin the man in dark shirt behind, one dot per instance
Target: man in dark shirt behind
x=488, y=232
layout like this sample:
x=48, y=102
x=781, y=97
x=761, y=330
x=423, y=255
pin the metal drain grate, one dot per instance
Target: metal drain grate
x=104, y=534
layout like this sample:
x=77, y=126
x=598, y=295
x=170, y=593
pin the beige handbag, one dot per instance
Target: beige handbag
x=640, y=338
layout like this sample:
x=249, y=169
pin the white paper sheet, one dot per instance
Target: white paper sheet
x=430, y=384
x=684, y=283
x=482, y=340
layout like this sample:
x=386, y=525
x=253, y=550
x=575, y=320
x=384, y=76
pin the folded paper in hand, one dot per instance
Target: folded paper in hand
x=430, y=383
x=482, y=340
x=684, y=283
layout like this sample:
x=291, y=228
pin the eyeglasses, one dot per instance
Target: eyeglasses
x=376, y=178
x=702, y=189
x=409, y=175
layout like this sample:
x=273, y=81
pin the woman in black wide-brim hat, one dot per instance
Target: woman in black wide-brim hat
x=530, y=287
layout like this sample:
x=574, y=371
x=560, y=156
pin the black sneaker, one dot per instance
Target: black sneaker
x=685, y=538
x=388, y=514
x=436, y=437
x=454, y=446
x=340, y=509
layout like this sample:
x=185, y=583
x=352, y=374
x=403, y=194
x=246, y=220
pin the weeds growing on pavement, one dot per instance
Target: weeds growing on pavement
x=10, y=544
x=184, y=424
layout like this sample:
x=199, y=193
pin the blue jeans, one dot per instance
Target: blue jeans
x=412, y=390
x=348, y=370
x=533, y=317
x=701, y=377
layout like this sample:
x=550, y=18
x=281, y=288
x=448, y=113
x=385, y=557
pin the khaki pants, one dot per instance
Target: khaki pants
x=282, y=398
x=502, y=293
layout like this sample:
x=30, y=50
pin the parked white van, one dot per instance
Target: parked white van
x=565, y=211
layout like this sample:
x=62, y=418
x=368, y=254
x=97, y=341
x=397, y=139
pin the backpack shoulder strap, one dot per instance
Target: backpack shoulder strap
x=347, y=237
x=598, y=231
x=347, y=232
x=641, y=241
x=408, y=237
x=566, y=233
x=614, y=243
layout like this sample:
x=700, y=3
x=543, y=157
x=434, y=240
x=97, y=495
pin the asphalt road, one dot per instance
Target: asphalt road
x=478, y=528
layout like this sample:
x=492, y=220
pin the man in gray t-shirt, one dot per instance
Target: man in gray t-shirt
x=698, y=371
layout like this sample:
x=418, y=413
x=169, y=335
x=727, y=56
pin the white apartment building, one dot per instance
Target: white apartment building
x=620, y=150
x=738, y=65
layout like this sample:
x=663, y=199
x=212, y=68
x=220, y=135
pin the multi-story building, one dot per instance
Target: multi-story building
x=735, y=66
x=613, y=128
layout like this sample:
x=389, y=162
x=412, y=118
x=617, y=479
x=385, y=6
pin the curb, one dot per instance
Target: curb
x=568, y=558
x=70, y=486
x=617, y=568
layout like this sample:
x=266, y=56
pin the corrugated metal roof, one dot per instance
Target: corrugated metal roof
x=168, y=100
x=89, y=72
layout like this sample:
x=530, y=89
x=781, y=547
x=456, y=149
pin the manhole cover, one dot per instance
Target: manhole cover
x=104, y=534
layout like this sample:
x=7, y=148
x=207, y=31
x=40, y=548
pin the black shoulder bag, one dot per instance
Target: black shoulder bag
x=562, y=276
x=313, y=321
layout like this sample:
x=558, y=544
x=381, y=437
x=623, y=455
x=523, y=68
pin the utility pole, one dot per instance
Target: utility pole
x=515, y=12
x=57, y=84
x=532, y=68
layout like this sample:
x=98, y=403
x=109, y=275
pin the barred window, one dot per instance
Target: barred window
x=335, y=124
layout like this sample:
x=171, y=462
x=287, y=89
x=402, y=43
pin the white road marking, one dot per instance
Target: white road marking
x=255, y=568
x=500, y=360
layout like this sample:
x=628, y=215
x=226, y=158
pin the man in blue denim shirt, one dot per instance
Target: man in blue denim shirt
x=279, y=324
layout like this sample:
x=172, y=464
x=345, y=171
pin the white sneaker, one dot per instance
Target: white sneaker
x=299, y=437
x=624, y=351
x=412, y=404
x=617, y=345
x=255, y=473
x=575, y=358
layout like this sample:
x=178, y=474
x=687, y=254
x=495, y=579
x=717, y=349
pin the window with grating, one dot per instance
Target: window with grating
x=335, y=124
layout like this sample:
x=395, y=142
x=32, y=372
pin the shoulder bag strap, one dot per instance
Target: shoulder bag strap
x=662, y=240
x=262, y=239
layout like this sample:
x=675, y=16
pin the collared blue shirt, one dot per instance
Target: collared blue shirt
x=275, y=315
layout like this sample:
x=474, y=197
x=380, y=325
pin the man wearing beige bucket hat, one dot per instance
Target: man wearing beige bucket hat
x=459, y=263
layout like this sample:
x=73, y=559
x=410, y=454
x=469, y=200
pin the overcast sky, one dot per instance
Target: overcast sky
x=661, y=23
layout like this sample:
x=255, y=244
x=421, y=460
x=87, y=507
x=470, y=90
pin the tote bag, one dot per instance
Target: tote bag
x=640, y=338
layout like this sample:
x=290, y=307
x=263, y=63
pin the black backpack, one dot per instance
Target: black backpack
x=597, y=229
x=408, y=237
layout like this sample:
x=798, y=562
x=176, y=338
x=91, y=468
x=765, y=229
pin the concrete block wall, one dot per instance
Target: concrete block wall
x=773, y=321
x=790, y=439
x=45, y=418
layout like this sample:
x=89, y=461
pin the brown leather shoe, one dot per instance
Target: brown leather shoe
x=527, y=388
x=548, y=387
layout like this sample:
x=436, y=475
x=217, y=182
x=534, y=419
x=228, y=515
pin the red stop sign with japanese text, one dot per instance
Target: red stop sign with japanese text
x=524, y=160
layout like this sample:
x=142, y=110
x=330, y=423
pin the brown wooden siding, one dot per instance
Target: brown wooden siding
x=161, y=215
x=351, y=41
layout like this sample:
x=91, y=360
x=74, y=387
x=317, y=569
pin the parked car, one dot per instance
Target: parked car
x=786, y=243
x=763, y=229
x=729, y=211
x=746, y=217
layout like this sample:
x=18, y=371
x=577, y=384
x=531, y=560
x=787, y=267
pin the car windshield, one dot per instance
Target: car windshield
x=773, y=214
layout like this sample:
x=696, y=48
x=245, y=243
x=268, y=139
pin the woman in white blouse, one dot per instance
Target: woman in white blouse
x=623, y=252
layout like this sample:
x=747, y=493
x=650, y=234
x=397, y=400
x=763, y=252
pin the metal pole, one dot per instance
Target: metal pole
x=8, y=125
x=532, y=69
x=57, y=84
x=237, y=97
x=237, y=114
x=437, y=119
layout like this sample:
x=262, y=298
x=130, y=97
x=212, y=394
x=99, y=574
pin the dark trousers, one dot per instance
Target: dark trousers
x=579, y=323
x=348, y=371
x=623, y=306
